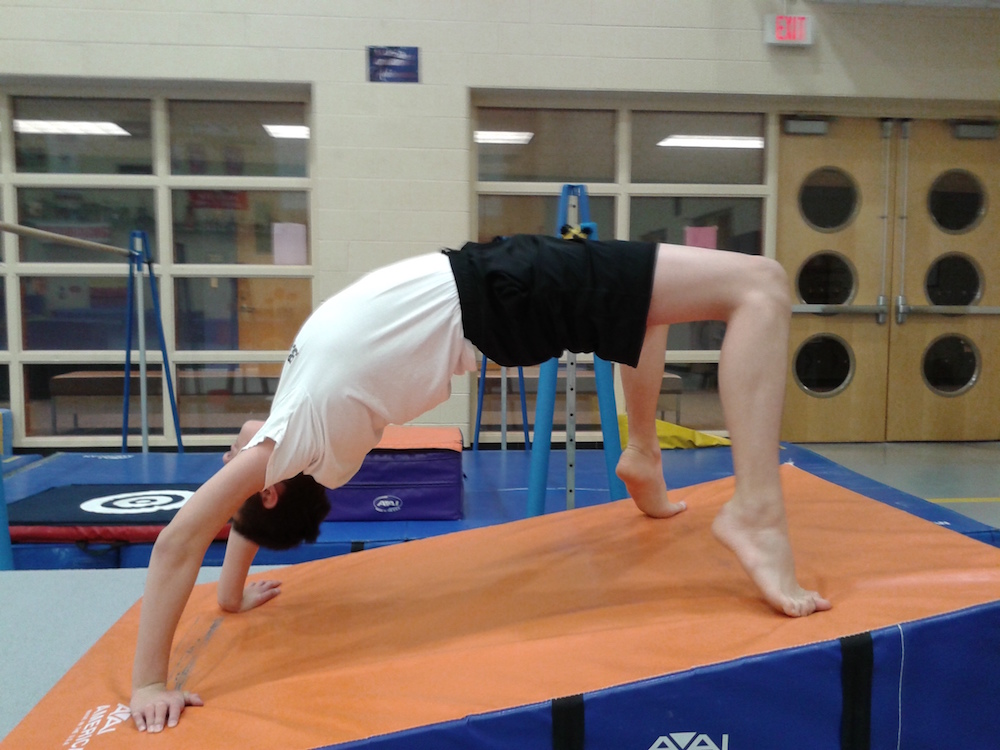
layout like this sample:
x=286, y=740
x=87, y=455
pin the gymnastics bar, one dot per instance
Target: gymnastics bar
x=62, y=239
x=135, y=257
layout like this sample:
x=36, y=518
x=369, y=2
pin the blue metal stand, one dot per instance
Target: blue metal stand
x=604, y=374
x=503, y=408
x=139, y=256
x=545, y=402
x=6, y=552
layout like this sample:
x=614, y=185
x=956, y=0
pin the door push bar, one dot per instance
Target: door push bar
x=903, y=310
x=880, y=310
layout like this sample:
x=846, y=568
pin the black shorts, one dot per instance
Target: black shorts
x=528, y=298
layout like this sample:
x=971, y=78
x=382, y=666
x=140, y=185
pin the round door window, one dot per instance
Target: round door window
x=953, y=280
x=956, y=201
x=826, y=278
x=951, y=365
x=824, y=365
x=828, y=199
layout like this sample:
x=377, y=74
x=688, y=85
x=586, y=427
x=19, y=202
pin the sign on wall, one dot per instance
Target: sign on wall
x=795, y=31
x=394, y=64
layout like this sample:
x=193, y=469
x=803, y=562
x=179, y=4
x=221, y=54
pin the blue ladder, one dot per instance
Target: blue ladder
x=139, y=255
x=574, y=211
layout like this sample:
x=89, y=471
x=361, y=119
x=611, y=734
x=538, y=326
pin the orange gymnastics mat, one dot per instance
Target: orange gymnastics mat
x=647, y=631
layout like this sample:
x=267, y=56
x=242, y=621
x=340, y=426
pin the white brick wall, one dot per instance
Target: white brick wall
x=392, y=163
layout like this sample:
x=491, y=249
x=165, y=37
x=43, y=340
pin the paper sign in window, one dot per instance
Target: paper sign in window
x=701, y=237
x=289, y=243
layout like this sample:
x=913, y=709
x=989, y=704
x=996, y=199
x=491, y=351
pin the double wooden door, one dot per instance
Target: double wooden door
x=890, y=232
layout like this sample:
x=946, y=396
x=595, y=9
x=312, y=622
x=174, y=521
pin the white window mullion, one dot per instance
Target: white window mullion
x=623, y=208
x=82, y=181
x=542, y=188
x=109, y=357
x=8, y=206
x=230, y=356
x=6, y=139
x=8, y=245
x=226, y=182
x=201, y=270
x=772, y=135
x=165, y=243
x=623, y=214
x=693, y=190
x=107, y=270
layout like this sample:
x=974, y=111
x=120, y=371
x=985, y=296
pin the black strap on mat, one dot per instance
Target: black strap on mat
x=857, y=658
x=567, y=723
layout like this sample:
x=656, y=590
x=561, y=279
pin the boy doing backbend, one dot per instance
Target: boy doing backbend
x=384, y=351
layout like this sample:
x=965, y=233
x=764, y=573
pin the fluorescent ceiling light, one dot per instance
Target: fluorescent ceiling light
x=68, y=127
x=505, y=137
x=712, y=141
x=287, y=131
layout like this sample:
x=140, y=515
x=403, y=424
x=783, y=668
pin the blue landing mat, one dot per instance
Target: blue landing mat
x=14, y=463
x=109, y=468
x=495, y=492
x=806, y=697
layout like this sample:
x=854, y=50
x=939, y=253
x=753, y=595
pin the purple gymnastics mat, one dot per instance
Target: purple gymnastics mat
x=414, y=474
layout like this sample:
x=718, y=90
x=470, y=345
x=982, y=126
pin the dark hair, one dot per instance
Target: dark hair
x=301, y=507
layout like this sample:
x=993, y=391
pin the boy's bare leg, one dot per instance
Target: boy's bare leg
x=752, y=372
x=640, y=466
x=751, y=294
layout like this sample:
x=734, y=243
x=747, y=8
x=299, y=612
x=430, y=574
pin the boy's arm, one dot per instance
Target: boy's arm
x=234, y=594
x=173, y=568
x=247, y=431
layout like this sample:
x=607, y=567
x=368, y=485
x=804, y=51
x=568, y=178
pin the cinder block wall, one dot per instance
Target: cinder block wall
x=392, y=163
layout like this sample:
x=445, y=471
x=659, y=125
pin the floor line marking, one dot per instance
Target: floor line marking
x=964, y=499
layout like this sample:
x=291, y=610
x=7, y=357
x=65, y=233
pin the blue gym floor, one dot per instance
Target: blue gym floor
x=495, y=491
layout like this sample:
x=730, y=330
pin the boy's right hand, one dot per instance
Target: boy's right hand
x=154, y=707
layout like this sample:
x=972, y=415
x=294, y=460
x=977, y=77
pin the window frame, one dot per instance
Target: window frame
x=162, y=183
x=622, y=189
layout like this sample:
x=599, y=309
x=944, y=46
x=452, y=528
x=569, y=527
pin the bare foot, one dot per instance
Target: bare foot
x=642, y=473
x=765, y=553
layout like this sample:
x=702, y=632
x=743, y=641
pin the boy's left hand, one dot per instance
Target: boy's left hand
x=155, y=708
x=259, y=592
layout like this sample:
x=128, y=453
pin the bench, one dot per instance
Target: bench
x=101, y=391
x=672, y=385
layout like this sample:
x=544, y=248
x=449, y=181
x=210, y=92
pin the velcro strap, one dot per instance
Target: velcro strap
x=857, y=658
x=567, y=723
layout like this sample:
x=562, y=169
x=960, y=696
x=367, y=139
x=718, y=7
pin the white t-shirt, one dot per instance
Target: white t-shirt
x=383, y=351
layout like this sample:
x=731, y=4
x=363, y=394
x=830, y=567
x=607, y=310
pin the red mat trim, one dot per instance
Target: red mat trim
x=98, y=534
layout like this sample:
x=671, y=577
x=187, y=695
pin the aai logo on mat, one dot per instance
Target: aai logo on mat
x=689, y=741
x=387, y=503
x=96, y=721
x=145, y=501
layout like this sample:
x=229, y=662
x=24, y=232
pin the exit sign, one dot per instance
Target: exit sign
x=789, y=30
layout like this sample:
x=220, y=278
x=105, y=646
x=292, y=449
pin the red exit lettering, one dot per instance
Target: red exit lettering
x=790, y=28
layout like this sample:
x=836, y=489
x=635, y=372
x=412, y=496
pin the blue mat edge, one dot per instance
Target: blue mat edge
x=487, y=501
x=830, y=470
